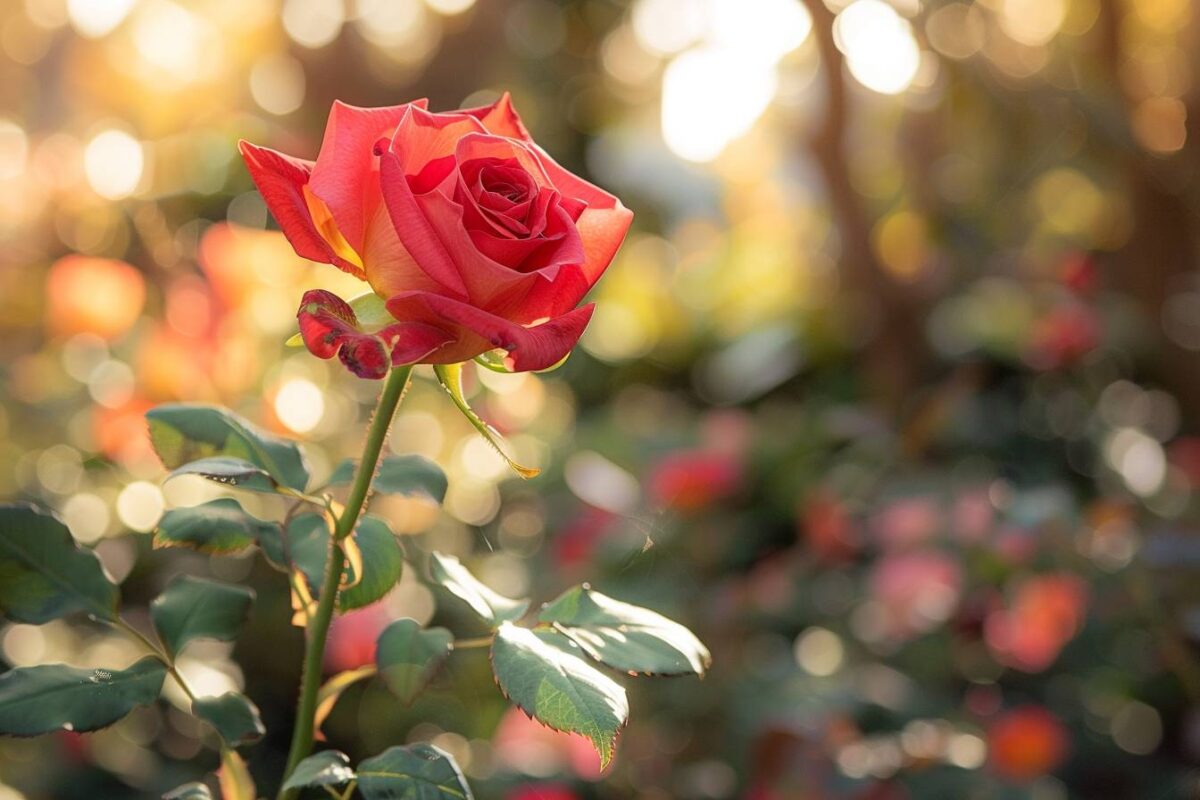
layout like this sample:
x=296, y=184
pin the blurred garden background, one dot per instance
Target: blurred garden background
x=889, y=395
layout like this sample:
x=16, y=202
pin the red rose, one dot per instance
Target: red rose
x=474, y=237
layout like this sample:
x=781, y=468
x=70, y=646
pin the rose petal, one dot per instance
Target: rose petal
x=490, y=284
x=476, y=331
x=605, y=222
x=281, y=180
x=421, y=138
x=501, y=119
x=345, y=175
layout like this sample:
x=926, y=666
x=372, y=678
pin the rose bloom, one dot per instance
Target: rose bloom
x=474, y=237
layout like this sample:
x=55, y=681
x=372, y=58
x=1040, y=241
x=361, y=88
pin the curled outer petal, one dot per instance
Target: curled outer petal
x=476, y=331
x=283, y=183
x=330, y=327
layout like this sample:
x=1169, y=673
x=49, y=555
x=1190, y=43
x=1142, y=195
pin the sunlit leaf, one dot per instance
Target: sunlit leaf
x=233, y=472
x=327, y=768
x=197, y=608
x=41, y=699
x=308, y=546
x=409, y=475
x=234, y=777
x=626, y=637
x=218, y=526
x=382, y=563
x=332, y=689
x=233, y=715
x=558, y=689
x=44, y=574
x=450, y=574
x=186, y=432
x=408, y=656
x=415, y=772
x=450, y=376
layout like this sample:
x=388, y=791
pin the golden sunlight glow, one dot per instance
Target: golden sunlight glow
x=392, y=23
x=113, y=162
x=881, y=52
x=449, y=7
x=176, y=41
x=668, y=26
x=766, y=28
x=97, y=18
x=711, y=96
x=300, y=405
x=1032, y=22
x=277, y=83
x=715, y=91
x=313, y=23
x=140, y=506
x=14, y=149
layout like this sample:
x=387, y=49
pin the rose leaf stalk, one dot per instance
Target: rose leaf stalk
x=318, y=624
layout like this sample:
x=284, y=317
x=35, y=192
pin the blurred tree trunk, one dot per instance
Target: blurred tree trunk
x=897, y=352
x=1161, y=252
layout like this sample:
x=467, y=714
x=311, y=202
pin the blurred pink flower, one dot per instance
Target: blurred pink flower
x=352, y=637
x=916, y=591
x=907, y=522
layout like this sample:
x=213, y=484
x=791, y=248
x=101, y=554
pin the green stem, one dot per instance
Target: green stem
x=466, y=644
x=318, y=623
x=159, y=653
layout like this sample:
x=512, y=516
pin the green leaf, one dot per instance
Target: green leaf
x=308, y=547
x=382, y=560
x=408, y=656
x=626, y=637
x=41, y=699
x=415, y=772
x=449, y=573
x=189, y=791
x=409, y=475
x=557, y=688
x=218, y=526
x=44, y=574
x=235, y=472
x=327, y=768
x=303, y=546
x=186, y=432
x=196, y=608
x=233, y=715
x=450, y=376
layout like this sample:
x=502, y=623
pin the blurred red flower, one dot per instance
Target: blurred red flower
x=692, y=480
x=1027, y=743
x=1045, y=613
x=542, y=791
